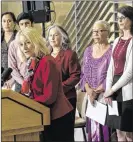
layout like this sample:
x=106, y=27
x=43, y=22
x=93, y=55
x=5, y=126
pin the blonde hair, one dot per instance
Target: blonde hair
x=36, y=39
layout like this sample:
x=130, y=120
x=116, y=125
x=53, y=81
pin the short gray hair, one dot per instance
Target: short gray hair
x=105, y=24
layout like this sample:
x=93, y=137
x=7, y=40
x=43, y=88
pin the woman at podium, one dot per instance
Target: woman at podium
x=43, y=84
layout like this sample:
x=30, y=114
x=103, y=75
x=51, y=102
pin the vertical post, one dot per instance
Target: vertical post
x=43, y=30
x=77, y=26
x=116, y=33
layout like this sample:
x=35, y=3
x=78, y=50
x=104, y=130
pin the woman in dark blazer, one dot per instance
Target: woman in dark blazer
x=42, y=83
x=67, y=61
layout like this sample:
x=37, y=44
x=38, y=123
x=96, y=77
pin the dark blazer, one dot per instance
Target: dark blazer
x=47, y=88
x=68, y=62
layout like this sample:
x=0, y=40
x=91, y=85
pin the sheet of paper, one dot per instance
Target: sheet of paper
x=113, y=108
x=97, y=112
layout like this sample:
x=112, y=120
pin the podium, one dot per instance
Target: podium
x=22, y=118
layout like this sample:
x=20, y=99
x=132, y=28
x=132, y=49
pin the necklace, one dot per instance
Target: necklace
x=54, y=53
x=118, y=53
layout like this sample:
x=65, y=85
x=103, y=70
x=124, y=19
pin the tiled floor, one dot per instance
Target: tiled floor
x=78, y=135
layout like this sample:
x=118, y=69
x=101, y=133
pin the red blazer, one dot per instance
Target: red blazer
x=67, y=61
x=47, y=88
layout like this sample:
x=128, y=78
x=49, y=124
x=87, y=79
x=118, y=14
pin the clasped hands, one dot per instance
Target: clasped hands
x=93, y=93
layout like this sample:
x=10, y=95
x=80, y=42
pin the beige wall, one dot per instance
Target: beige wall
x=15, y=7
x=61, y=9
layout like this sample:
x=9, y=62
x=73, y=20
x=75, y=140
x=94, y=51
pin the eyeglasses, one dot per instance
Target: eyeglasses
x=98, y=31
x=120, y=18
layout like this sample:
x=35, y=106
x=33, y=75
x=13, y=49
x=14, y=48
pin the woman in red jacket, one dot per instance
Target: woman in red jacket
x=67, y=60
x=43, y=84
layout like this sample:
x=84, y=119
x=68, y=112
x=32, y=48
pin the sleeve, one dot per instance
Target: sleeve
x=104, y=84
x=74, y=73
x=126, y=76
x=12, y=63
x=106, y=69
x=82, y=76
x=50, y=80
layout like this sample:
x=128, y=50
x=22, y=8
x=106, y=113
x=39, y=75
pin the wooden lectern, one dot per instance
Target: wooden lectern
x=22, y=118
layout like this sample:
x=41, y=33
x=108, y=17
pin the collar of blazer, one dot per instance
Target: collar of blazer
x=60, y=55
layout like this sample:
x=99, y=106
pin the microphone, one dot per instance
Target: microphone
x=2, y=69
x=5, y=76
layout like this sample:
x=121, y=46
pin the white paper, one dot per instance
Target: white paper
x=97, y=112
x=113, y=108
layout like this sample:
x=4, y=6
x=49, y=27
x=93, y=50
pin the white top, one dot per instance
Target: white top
x=126, y=80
